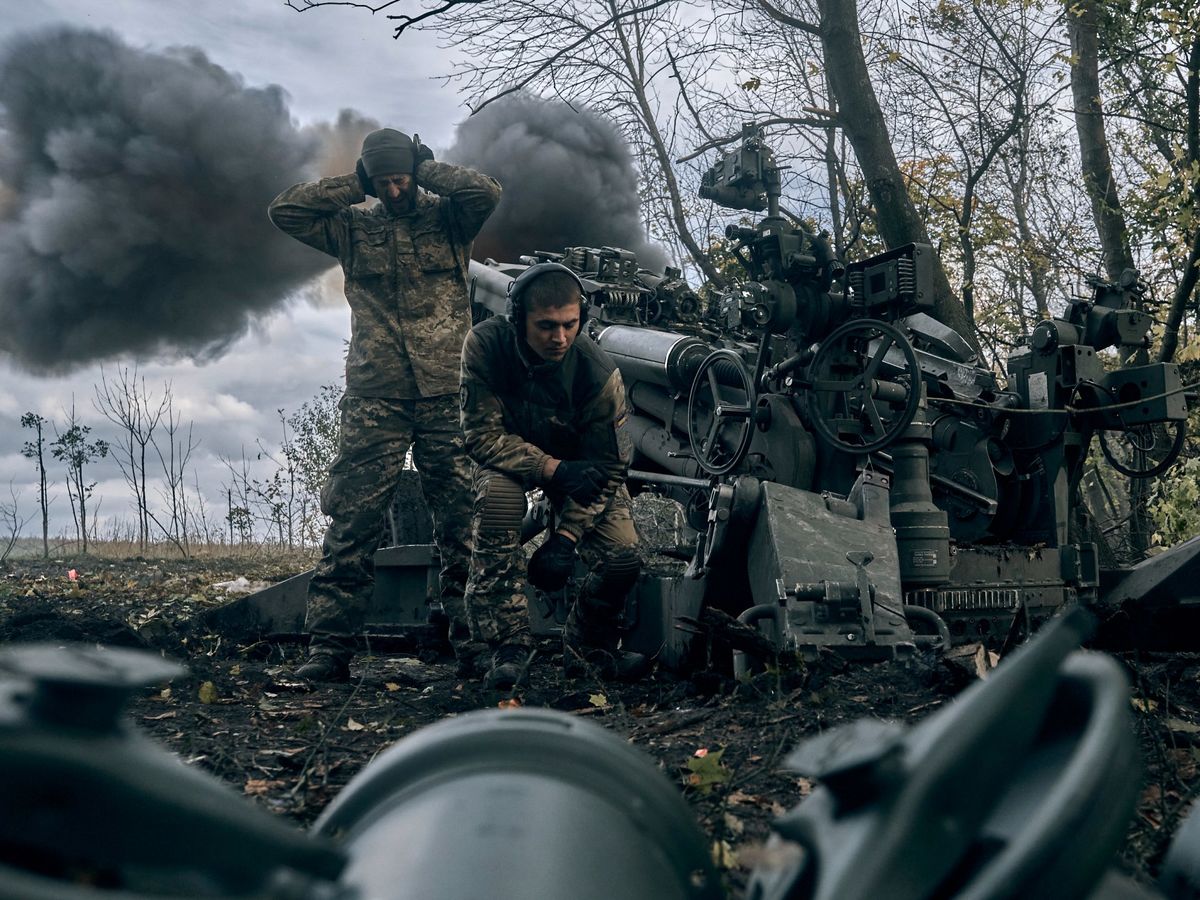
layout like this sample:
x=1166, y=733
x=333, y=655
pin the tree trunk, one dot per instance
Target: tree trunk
x=1093, y=143
x=862, y=121
x=1187, y=281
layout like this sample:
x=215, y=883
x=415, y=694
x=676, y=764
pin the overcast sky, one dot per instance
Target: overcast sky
x=325, y=60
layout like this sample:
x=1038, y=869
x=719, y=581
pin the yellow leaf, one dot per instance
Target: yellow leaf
x=208, y=692
x=598, y=700
x=723, y=855
x=352, y=725
x=392, y=686
x=235, y=670
x=733, y=824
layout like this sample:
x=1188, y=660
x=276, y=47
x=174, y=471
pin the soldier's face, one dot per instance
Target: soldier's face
x=551, y=330
x=396, y=191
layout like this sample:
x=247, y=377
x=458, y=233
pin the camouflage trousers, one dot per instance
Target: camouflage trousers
x=375, y=437
x=496, y=586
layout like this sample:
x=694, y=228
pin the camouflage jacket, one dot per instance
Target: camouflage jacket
x=405, y=275
x=518, y=412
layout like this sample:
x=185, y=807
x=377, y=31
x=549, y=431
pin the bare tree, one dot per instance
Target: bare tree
x=127, y=404
x=174, y=450
x=36, y=450
x=11, y=521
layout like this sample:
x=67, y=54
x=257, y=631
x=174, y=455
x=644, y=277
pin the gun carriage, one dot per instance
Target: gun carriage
x=858, y=479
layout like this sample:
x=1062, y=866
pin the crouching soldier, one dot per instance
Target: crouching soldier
x=543, y=406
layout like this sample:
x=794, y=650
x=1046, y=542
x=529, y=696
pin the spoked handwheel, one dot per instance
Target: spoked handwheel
x=850, y=406
x=1143, y=451
x=720, y=412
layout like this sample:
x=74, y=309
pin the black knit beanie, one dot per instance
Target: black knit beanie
x=387, y=152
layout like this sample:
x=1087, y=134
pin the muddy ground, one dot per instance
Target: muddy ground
x=241, y=716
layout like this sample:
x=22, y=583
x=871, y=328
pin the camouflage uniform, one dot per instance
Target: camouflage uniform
x=406, y=286
x=517, y=413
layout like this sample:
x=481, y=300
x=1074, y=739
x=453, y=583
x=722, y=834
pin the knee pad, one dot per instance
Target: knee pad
x=500, y=503
x=613, y=576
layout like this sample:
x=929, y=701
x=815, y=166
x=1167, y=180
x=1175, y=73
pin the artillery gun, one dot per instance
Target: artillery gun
x=857, y=478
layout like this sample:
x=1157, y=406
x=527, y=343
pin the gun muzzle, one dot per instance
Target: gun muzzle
x=518, y=804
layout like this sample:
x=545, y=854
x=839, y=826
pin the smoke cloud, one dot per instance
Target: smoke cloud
x=340, y=141
x=133, y=195
x=568, y=180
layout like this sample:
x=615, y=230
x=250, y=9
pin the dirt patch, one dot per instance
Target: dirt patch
x=240, y=715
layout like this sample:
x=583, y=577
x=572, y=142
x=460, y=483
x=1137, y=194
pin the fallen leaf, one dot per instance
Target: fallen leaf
x=208, y=692
x=723, y=855
x=510, y=703
x=733, y=824
x=353, y=725
x=391, y=686
x=256, y=787
x=706, y=770
x=598, y=700
x=1142, y=705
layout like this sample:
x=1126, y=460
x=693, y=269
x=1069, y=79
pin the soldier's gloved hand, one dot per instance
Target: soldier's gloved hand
x=552, y=563
x=581, y=479
x=361, y=172
x=421, y=153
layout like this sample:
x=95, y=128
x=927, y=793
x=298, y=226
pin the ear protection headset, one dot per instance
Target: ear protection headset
x=519, y=287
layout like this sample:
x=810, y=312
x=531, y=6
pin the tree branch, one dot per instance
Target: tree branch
x=783, y=18
x=831, y=118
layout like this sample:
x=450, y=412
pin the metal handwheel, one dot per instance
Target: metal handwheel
x=721, y=440
x=1143, y=451
x=850, y=407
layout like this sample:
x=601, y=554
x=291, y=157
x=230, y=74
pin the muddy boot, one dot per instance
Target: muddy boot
x=325, y=665
x=471, y=658
x=592, y=650
x=509, y=667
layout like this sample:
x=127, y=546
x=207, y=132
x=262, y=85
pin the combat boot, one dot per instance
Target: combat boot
x=471, y=658
x=592, y=650
x=510, y=664
x=325, y=665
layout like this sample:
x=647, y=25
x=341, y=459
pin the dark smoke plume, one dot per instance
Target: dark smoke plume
x=567, y=175
x=133, y=196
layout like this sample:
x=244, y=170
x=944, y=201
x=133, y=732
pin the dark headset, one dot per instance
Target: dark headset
x=519, y=287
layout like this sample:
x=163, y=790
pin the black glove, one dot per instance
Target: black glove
x=421, y=153
x=552, y=563
x=361, y=171
x=581, y=479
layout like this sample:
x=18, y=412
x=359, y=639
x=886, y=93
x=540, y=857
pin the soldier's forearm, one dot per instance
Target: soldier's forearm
x=326, y=197
x=304, y=210
x=473, y=194
x=509, y=454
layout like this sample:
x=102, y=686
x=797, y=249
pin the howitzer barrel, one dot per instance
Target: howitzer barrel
x=658, y=357
x=518, y=804
x=489, y=287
